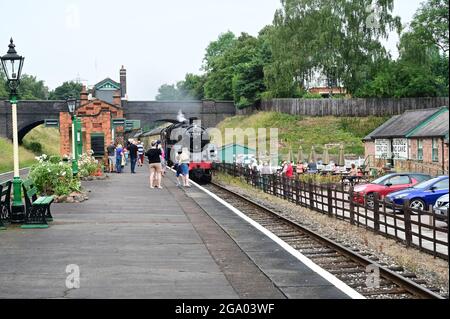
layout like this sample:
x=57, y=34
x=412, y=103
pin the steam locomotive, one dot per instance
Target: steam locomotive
x=191, y=136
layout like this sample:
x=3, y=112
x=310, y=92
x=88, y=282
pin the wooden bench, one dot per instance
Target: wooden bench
x=37, y=209
x=5, y=203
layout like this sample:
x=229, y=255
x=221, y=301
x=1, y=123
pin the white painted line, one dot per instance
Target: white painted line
x=305, y=260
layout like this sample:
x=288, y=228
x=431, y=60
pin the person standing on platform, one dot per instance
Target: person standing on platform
x=133, y=149
x=153, y=155
x=111, y=150
x=184, y=162
x=119, y=155
x=140, y=153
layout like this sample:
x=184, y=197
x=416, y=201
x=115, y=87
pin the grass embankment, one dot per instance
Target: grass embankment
x=308, y=131
x=48, y=138
x=27, y=158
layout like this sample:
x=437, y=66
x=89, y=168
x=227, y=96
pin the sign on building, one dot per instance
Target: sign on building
x=400, y=148
x=382, y=148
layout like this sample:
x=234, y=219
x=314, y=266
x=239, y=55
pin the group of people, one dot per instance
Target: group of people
x=289, y=169
x=134, y=151
x=119, y=156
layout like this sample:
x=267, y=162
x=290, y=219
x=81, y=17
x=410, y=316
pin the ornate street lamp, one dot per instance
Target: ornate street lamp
x=12, y=64
x=72, y=105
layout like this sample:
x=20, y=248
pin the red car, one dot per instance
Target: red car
x=385, y=185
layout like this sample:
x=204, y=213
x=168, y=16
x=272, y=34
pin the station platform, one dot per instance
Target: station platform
x=130, y=241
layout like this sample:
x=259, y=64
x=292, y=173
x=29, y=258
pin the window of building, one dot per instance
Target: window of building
x=420, y=150
x=435, y=154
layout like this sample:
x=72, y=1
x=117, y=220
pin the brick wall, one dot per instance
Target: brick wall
x=96, y=117
x=369, y=148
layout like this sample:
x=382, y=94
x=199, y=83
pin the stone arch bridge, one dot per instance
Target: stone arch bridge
x=33, y=113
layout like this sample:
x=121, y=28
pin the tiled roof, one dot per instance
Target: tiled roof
x=437, y=127
x=405, y=123
x=381, y=128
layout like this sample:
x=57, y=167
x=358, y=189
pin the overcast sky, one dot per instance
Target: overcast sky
x=157, y=41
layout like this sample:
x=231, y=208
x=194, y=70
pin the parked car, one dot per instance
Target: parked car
x=441, y=206
x=385, y=185
x=422, y=195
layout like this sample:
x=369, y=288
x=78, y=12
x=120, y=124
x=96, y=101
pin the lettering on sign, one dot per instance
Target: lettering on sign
x=400, y=147
x=382, y=148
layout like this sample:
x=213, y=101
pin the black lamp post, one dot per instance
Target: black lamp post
x=12, y=64
x=71, y=106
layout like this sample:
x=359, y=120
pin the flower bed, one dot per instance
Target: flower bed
x=52, y=176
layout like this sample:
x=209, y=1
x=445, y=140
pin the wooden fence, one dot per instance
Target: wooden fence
x=349, y=107
x=424, y=230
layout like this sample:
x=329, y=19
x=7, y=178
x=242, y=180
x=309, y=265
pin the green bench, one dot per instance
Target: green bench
x=5, y=203
x=37, y=209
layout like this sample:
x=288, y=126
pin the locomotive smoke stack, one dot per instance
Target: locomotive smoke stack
x=192, y=120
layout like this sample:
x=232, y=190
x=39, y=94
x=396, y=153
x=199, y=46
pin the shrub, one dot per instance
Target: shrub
x=35, y=147
x=87, y=165
x=54, y=178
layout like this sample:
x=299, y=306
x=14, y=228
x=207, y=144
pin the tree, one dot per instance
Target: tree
x=168, y=92
x=422, y=67
x=66, y=90
x=3, y=91
x=30, y=88
x=192, y=87
x=431, y=23
x=340, y=39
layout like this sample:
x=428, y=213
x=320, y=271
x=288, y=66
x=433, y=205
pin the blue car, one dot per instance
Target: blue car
x=422, y=195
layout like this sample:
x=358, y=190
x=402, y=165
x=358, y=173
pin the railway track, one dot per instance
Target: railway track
x=348, y=265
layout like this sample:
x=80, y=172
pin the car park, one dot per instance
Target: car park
x=422, y=195
x=441, y=206
x=385, y=185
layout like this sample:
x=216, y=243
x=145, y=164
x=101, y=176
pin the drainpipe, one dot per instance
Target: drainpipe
x=443, y=156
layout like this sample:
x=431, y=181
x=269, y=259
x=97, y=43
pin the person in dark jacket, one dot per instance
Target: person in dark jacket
x=154, y=159
x=133, y=149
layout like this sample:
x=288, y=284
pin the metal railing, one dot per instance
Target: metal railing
x=424, y=230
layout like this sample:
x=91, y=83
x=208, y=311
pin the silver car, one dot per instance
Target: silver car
x=441, y=206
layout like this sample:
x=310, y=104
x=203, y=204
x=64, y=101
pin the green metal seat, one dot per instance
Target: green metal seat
x=5, y=204
x=37, y=209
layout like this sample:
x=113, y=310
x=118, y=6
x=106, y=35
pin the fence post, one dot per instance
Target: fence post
x=330, y=200
x=408, y=225
x=352, y=205
x=376, y=212
x=311, y=196
x=297, y=192
x=274, y=185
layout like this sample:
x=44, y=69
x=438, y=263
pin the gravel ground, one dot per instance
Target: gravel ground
x=434, y=271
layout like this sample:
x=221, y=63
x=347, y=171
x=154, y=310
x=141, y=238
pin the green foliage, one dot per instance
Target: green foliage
x=361, y=127
x=312, y=96
x=66, y=90
x=421, y=70
x=34, y=147
x=431, y=24
x=340, y=40
x=30, y=88
x=52, y=177
x=168, y=93
x=336, y=38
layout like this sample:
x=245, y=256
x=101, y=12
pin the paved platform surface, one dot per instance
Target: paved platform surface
x=130, y=241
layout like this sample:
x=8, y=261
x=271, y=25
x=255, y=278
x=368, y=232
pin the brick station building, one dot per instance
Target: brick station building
x=416, y=137
x=96, y=111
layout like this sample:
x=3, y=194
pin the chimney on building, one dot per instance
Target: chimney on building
x=123, y=83
x=83, y=95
